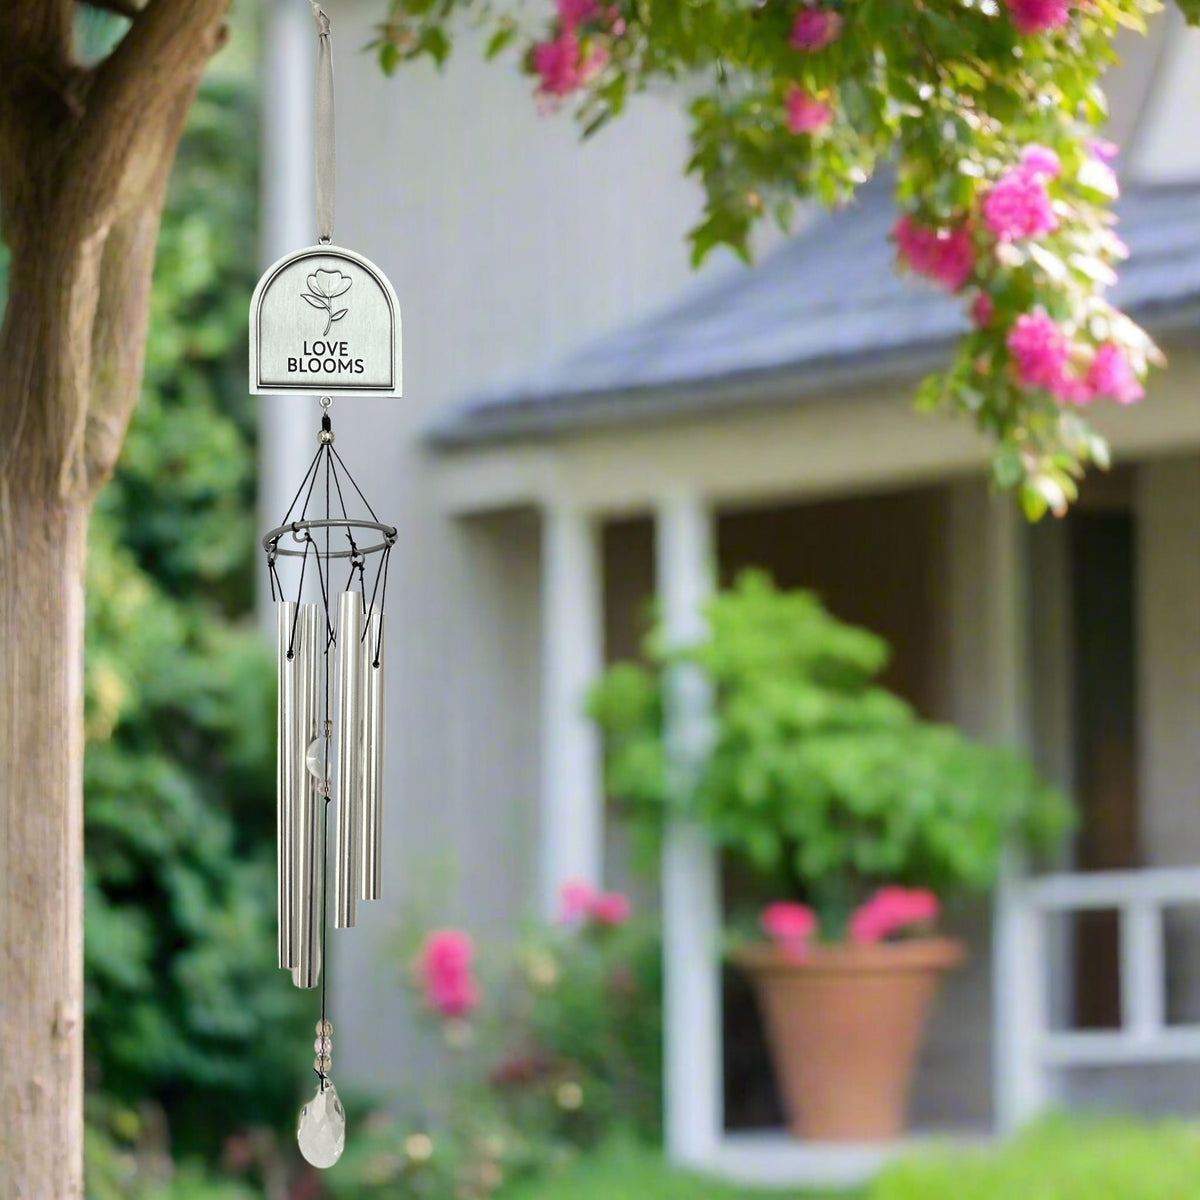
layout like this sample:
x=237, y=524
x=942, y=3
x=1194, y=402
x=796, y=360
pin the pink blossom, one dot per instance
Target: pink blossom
x=1038, y=16
x=1040, y=351
x=1111, y=374
x=575, y=12
x=805, y=113
x=610, y=908
x=947, y=256
x=892, y=910
x=982, y=310
x=579, y=902
x=445, y=969
x=1018, y=206
x=814, y=28
x=1041, y=161
x=1103, y=149
x=562, y=66
x=788, y=925
x=575, y=900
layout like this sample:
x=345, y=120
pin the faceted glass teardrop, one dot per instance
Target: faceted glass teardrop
x=322, y=1132
x=314, y=759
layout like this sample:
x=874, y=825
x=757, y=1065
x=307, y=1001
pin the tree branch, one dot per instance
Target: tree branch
x=132, y=120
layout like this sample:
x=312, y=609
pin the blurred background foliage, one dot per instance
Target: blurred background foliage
x=189, y=1024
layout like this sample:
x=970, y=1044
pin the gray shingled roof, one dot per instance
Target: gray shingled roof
x=823, y=311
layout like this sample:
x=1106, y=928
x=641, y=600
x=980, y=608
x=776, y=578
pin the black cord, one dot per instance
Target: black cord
x=354, y=484
x=312, y=467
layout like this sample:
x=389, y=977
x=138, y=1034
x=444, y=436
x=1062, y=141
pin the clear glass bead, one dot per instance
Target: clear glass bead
x=323, y=1045
x=314, y=759
x=322, y=1130
x=324, y=1028
x=321, y=1064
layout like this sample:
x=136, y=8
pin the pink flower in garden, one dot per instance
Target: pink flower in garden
x=788, y=925
x=1038, y=16
x=1041, y=161
x=1111, y=374
x=947, y=256
x=1040, y=351
x=575, y=12
x=575, y=899
x=1103, y=149
x=982, y=310
x=610, y=908
x=892, y=910
x=814, y=28
x=562, y=66
x=805, y=113
x=579, y=902
x=1018, y=206
x=445, y=969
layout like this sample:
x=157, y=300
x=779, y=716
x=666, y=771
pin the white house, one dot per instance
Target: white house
x=585, y=424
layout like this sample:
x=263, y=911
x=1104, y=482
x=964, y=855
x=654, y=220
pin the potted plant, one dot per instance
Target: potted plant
x=842, y=800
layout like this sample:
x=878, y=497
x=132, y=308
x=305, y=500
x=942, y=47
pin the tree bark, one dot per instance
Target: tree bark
x=85, y=155
x=41, y=849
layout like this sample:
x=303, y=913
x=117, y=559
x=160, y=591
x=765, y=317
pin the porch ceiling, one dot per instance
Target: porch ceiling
x=820, y=317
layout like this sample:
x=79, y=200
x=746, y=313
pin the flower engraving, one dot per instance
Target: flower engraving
x=323, y=288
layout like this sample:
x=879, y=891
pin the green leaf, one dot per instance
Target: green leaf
x=499, y=40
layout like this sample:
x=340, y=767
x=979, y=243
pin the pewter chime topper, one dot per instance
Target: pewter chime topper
x=325, y=321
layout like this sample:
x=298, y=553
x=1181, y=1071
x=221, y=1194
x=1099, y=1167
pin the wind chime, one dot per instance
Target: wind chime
x=324, y=321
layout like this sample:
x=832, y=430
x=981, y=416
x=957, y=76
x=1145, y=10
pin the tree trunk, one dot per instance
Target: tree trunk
x=41, y=850
x=85, y=154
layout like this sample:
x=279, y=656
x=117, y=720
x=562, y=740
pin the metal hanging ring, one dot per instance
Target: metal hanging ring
x=300, y=531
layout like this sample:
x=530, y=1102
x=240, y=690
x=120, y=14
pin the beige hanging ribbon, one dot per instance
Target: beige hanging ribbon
x=325, y=159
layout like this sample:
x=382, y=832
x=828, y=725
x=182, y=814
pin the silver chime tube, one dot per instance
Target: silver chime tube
x=349, y=734
x=372, y=758
x=310, y=803
x=290, y=765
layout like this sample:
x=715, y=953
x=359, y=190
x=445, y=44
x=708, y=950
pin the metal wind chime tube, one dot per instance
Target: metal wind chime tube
x=349, y=757
x=310, y=809
x=289, y=776
x=325, y=321
x=371, y=769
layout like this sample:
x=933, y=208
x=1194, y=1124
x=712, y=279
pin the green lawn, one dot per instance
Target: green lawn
x=1058, y=1160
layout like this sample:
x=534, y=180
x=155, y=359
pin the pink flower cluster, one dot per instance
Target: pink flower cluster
x=1038, y=16
x=814, y=28
x=947, y=256
x=806, y=113
x=579, y=903
x=1018, y=205
x=1041, y=354
x=446, y=975
x=890, y=911
x=789, y=926
x=561, y=64
x=893, y=910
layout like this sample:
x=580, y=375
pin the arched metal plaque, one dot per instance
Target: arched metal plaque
x=325, y=321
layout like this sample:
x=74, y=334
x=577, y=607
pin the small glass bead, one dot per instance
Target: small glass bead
x=322, y=1063
x=323, y=1045
x=324, y=1028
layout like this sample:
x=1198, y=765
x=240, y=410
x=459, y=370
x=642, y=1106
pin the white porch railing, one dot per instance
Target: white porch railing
x=1034, y=1050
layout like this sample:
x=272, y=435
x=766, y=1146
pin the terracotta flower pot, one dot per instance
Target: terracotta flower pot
x=844, y=1024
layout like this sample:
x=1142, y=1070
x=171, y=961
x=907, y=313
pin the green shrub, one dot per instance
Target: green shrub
x=185, y=1007
x=822, y=782
x=1060, y=1160
x=563, y=1051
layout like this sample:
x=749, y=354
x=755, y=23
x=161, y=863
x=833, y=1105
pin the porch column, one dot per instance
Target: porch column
x=690, y=889
x=1022, y=1087
x=571, y=842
